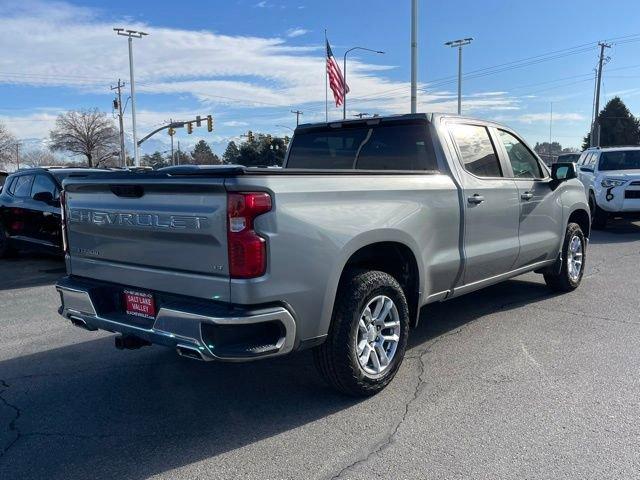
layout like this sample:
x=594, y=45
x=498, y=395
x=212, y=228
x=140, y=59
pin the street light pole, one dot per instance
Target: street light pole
x=131, y=34
x=344, y=76
x=459, y=44
x=414, y=55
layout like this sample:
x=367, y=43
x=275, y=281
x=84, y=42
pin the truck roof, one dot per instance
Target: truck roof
x=407, y=117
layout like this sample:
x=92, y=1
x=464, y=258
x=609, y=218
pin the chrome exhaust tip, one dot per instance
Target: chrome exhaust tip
x=80, y=323
x=189, y=352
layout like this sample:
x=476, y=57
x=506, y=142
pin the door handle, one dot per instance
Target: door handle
x=526, y=196
x=475, y=199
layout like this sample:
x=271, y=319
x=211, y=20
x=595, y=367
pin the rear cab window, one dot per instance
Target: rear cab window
x=477, y=152
x=392, y=146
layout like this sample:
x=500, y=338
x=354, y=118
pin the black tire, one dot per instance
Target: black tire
x=599, y=216
x=337, y=357
x=6, y=250
x=563, y=281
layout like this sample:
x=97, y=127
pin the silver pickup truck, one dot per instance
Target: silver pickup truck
x=367, y=222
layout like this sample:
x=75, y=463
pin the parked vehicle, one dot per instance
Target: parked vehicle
x=30, y=209
x=3, y=177
x=611, y=178
x=368, y=221
x=568, y=157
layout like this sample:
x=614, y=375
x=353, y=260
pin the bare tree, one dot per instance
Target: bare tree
x=7, y=147
x=40, y=158
x=84, y=132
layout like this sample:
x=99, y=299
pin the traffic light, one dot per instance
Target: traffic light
x=172, y=132
x=250, y=136
x=115, y=104
x=269, y=139
x=189, y=128
x=209, y=123
x=198, y=121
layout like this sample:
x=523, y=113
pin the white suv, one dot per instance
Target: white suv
x=611, y=178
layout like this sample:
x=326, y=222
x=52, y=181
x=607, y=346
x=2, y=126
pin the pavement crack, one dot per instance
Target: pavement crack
x=12, y=427
x=389, y=439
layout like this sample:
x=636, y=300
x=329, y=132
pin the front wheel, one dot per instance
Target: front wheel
x=599, y=216
x=368, y=334
x=573, y=261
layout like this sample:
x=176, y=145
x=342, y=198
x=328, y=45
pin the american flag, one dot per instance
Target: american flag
x=336, y=80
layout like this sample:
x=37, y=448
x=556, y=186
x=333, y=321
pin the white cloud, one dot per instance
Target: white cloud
x=75, y=48
x=296, y=32
x=262, y=4
x=235, y=123
x=545, y=117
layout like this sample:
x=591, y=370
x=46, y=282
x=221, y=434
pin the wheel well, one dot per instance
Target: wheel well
x=397, y=260
x=581, y=217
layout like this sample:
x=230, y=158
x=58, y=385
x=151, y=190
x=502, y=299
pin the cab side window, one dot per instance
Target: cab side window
x=43, y=183
x=523, y=162
x=21, y=186
x=476, y=149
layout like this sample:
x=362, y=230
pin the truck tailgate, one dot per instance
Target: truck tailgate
x=135, y=231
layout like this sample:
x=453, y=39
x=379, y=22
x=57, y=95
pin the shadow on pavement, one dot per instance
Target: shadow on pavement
x=617, y=231
x=29, y=269
x=89, y=411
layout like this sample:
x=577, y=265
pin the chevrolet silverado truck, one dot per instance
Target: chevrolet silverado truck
x=368, y=221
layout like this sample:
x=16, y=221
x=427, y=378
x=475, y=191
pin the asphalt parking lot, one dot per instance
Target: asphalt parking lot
x=510, y=382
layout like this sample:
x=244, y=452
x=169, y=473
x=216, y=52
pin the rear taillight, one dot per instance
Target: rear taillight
x=247, y=249
x=63, y=218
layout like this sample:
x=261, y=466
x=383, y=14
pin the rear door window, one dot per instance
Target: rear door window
x=476, y=149
x=21, y=186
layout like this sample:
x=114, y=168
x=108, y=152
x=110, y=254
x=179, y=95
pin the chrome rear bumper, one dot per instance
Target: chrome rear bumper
x=180, y=325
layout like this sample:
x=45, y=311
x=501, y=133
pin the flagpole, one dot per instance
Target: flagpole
x=326, y=80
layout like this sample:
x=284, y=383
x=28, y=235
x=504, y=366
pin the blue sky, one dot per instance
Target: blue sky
x=249, y=62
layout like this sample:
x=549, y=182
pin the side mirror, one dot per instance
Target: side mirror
x=561, y=172
x=44, y=197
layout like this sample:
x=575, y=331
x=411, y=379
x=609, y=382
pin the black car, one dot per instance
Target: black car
x=30, y=209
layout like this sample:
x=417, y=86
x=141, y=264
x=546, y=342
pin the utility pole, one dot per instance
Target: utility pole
x=550, y=130
x=131, y=34
x=173, y=160
x=178, y=162
x=595, y=132
x=298, y=113
x=414, y=55
x=18, y=155
x=123, y=158
x=459, y=44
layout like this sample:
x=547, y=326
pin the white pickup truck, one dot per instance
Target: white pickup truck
x=368, y=221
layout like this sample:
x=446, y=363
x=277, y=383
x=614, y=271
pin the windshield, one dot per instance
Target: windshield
x=620, y=160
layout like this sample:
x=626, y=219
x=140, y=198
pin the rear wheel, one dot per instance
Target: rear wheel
x=573, y=261
x=368, y=334
x=599, y=216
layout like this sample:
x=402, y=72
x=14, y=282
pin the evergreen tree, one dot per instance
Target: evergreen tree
x=203, y=155
x=231, y=155
x=617, y=126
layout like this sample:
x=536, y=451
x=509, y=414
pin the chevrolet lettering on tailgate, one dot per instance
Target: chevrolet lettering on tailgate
x=134, y=219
